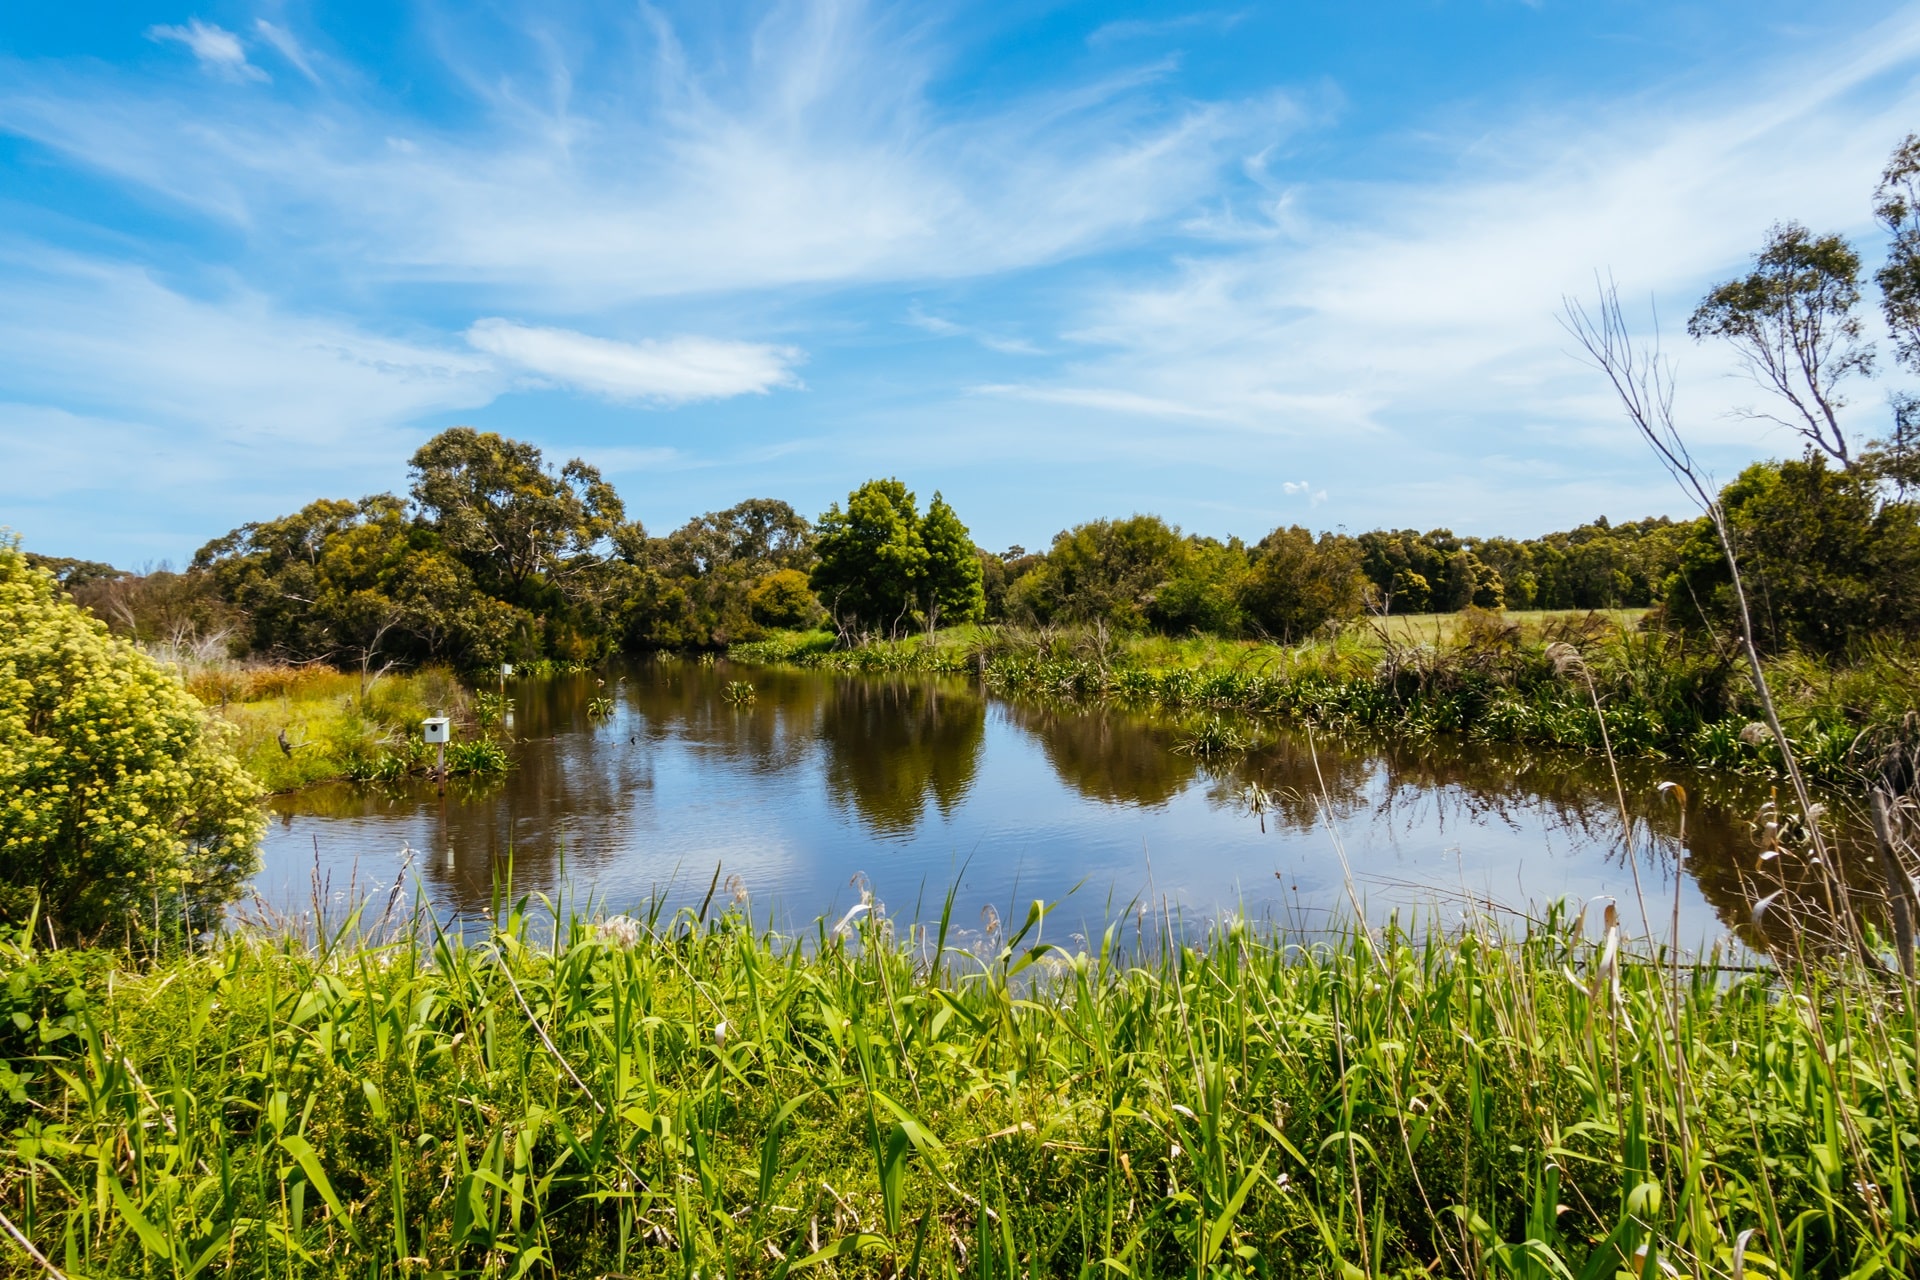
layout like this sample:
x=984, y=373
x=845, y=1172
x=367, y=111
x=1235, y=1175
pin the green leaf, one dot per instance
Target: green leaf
x=308, y=1159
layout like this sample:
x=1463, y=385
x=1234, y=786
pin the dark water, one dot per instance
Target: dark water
x=919, y=784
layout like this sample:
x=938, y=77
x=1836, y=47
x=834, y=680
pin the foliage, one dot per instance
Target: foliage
x=723, y=577
x=1298, y=585
x=1105, y=570
x=162, y=607
x=72, y=574
x=1663, y=694
x=1594, y=566
x=679, y=1096
x=1792, y=321
x=950, y=583
x=1827, y=559
x=882, y=566
x=356, y=583
x=783, y=600
x=509, y=517
x=1896, y=203
x=118, y=798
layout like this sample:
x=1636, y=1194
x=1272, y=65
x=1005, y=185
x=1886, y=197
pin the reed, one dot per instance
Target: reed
x=1487, y=676
x=694, y=1094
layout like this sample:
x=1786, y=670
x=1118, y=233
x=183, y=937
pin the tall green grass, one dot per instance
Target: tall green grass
x=695, y=1095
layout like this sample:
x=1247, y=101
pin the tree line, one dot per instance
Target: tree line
x=495, y=555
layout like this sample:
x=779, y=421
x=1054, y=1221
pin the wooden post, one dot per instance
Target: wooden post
x=440, y=766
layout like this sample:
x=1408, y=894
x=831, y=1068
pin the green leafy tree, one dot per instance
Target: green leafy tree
x=1897, y=205
x=718, y=561
x=1411, y=591
x=511, y=518
x=784, y=599
x=1792, y=321
x=358, y=582
x=74, y=574
x=1203, y=590
x=1298, y=584
x=756, y=536
x=117, y=794
x=1826, y=559
x=950, y=582
x=871, y=559
x=1106, y=570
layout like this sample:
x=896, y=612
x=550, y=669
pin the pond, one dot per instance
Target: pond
x=824, y=784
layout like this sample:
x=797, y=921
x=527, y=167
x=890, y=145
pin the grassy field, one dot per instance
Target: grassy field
x=695, y=1097
x=1587, y=681
x=1444, y=628
x=336, y=724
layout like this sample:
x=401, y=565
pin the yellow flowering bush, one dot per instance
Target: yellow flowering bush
x=118, y=795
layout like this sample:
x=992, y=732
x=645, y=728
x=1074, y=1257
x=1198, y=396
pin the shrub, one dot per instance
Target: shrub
x=1827, y=558
x=116, y=792
x=783, y=599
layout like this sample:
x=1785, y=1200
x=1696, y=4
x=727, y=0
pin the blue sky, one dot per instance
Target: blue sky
x=1241, y=266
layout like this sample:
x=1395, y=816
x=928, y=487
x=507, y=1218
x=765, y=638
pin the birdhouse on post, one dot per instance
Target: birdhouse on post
x=435, y=730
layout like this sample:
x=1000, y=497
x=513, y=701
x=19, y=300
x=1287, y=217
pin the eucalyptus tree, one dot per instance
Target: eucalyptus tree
x=511, y=517
x=1896, y=203
x=1792, y=320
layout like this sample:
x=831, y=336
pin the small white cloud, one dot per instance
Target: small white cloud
x=1296, y=486
x=665, y=371
x=215, y=48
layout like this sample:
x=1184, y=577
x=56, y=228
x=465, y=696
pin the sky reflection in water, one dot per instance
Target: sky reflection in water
x=920, y=784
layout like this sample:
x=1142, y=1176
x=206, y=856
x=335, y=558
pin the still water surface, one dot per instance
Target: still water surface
x=918, y=784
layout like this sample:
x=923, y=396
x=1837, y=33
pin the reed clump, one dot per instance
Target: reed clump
x=679, y=1095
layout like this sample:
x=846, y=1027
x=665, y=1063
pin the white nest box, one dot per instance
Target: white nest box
x=506, y=669
x=435, y=729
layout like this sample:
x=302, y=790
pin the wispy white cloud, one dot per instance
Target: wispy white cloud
x=288, y=46
x=1124, y=29
x=667, y=371
x=114, y=340
x=1111, y=400
x=215, y=48
x=1421, y=315
x=941, y=327
x=813, y=155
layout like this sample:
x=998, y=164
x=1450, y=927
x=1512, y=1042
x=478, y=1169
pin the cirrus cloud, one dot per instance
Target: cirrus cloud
x=662, y=371
x=213, y=47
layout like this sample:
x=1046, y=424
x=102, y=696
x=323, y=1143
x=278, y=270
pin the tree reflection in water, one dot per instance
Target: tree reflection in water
x=895, y=744
x=1107, y=754
x=821, y=775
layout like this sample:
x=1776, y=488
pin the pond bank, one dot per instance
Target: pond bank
x=296, y=726
x=1581, y=681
